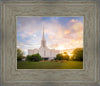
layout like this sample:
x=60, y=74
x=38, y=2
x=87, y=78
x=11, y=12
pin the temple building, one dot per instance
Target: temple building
x=44, y=51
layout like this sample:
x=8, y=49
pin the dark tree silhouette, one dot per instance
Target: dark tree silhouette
x=78, y=54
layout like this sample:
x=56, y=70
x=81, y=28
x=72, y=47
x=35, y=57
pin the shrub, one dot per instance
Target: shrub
x=34, y=57
x=63, y=60
x=29, y=58
x=52, y=60
x=62, y=56
x=58, y=57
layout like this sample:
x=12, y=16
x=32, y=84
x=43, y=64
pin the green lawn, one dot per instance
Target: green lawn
x=50, y=65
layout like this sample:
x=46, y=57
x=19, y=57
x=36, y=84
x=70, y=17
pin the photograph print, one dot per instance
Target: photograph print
x=49, y=42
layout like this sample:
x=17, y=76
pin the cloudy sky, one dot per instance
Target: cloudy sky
x=60, y=32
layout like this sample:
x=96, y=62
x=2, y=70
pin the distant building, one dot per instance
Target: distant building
x=44, y=51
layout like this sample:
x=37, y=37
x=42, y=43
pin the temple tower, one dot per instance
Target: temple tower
x=43, y=41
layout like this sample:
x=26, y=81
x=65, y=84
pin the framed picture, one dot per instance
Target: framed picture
x=50, y=43
x=57, y=44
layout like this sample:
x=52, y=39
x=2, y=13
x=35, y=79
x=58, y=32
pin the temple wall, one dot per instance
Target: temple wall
x=30, y=52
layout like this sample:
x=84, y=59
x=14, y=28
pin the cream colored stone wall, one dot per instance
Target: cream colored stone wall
x=44, y=52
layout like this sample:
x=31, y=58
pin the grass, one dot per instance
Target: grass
x=50, y=65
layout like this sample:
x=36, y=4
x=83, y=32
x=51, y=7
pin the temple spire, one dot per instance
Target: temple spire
x=43, y=34
x=43, y=41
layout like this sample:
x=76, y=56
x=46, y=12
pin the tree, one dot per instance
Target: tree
x=29, y=58
x=34, y=57
x=62, y=56
x=58, y=57
x=19, y=54
x=65, y=56
x=78, y=54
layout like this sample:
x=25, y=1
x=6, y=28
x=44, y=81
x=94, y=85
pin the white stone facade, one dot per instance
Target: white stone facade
x=44, y=51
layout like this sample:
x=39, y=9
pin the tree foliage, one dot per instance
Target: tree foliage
x=78, y=54
x=62, y=56
x=34, y=57
x=58, y=57
x=19, y=54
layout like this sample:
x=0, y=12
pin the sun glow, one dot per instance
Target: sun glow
x=61, y=48
x=70, y=54
x=63, y=54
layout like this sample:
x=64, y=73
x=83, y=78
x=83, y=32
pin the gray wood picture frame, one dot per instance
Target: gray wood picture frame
x=10, y=75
